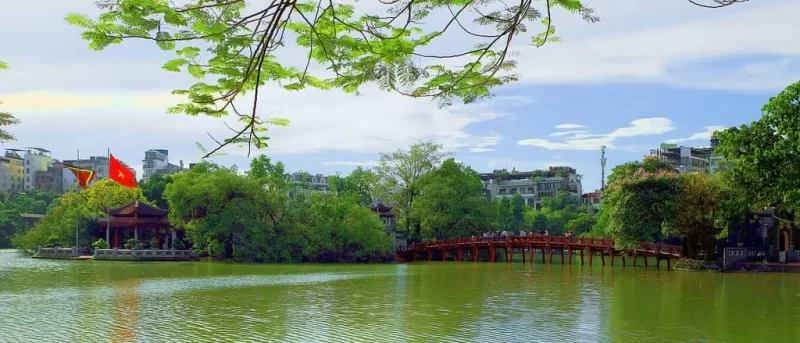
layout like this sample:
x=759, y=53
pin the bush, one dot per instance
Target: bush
x=133, y=243
x=100, y=244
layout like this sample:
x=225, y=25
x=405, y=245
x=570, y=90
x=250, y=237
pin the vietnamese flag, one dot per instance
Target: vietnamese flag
x=120, y=173
x=84, y=176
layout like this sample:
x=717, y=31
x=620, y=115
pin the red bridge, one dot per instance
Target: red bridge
x=474, y=247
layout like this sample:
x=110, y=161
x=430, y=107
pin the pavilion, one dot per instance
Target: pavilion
x=134, y=216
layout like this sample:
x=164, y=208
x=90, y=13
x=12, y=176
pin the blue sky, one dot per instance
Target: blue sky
x=642, y=76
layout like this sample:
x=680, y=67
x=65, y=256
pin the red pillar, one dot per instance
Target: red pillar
x=116, y=237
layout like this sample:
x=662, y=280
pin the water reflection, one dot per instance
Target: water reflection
x=96, y=301
x=126, y=312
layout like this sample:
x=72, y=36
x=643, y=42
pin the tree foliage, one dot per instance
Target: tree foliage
x=57, y=227
x=398, y=178
x=6, y=119
x=451, y=202
x=255, y=218
x=13, y=205
x=231, y=46
x=154, y=189
x=764, y=153
x=640, y=200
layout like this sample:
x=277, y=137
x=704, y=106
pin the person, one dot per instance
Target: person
x=546, y=233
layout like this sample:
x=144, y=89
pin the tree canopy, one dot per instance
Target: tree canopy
x=233, y=47
x=6, y=119
x=255, y=217
x=57, y=227
x=398, y=178
x=451, y=202
x=764, y=153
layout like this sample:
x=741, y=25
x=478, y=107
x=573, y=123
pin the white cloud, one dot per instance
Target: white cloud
x=569, y=126
x=321, y=121
x=486, y=144
x=580, y=141
x=704, y=135
x=672, y=53
x=351, y=163
x=567, y=133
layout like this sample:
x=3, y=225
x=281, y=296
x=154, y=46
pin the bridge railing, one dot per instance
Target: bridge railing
x=596, y=243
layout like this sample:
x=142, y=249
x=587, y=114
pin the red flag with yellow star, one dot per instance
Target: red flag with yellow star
x=120, y=173
x=83, y=175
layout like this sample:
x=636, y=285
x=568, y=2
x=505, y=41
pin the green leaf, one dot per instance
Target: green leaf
x=294, y=86
x=175, y=65
x=196, y=71
x=3, y=65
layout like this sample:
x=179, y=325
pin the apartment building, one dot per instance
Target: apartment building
x=12, y=171
x=36, y=159
x=156, y=162
x=692, y=159
x=308, y=181
x=532, y=186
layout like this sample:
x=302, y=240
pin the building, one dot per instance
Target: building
x=305, y=180
x=533, y=185
x=692, y=159
x=387, y=215
x=52, y=179
x=36, y=159
x=592, y=201
x=156, y=162
x=12, y=171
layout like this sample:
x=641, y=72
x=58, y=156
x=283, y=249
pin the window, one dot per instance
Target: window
x=27, y=170
x=28, y=162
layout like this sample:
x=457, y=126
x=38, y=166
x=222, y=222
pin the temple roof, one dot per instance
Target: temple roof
x=383, y=210
x=132, y=223
x=138, y=209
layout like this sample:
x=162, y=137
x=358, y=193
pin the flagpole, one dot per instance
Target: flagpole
x=77, y=210
x=108, y=200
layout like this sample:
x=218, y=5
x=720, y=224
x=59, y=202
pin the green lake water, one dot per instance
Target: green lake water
x=105, y=301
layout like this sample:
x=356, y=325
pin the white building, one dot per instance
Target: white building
x=156, y=162
x=532, y=186
x=36, y=159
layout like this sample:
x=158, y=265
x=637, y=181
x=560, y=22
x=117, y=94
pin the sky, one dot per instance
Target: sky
x=649, y=72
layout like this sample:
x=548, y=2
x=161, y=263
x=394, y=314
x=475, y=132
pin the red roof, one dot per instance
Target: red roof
x=383, y=210
x=592, y=195
x=138, y=209
x=132, y=223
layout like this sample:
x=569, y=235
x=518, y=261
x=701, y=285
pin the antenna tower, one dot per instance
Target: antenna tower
x=603, y=168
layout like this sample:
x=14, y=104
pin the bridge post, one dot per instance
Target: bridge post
x=530, y=247
x=549, y=248
x=430, y=254
x=658, y=261
x=634, y=259
x=667, y=263
x=523, y=254
x=623, y=259
x=645, y=261
x=603, y=258
x=591, y=254
x=509, y=253
x=474, y=253
x=491, y=253
x=570, y=255
x=562, y=256
x=611, y=254
x=582, y=255
x=444, y=255
x=542, y=255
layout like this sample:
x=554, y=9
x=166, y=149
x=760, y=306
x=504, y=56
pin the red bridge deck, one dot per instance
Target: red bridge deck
x=474, y=245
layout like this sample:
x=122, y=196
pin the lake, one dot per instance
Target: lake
x=109, y=301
